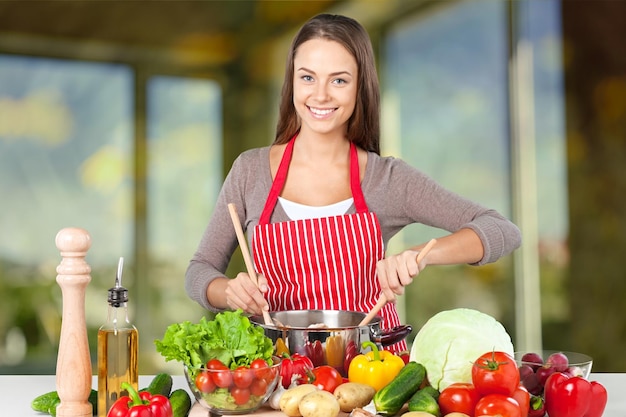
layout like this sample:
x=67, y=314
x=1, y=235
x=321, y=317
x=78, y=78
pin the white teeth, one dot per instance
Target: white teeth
x=321, y=112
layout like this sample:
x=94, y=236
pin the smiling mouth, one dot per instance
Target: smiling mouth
x=321, y=112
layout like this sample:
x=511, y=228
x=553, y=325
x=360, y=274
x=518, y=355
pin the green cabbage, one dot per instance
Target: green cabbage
x=450, y=341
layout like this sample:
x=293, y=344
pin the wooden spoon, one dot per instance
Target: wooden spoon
x=246, y=254
x=382, y=300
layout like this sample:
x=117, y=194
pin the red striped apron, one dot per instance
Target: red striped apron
x=324, y=263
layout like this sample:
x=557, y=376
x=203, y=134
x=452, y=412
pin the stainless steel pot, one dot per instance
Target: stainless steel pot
x=334, y=344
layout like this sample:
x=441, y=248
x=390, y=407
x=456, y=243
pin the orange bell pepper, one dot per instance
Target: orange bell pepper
x=375, y=368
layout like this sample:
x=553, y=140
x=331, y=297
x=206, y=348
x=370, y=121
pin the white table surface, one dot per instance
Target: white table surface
x=17, y=392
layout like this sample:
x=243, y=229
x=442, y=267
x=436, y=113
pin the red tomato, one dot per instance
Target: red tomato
x=459, y=397
x=522, y=397
x=222, y=378
x=258, y=387
x=261, y=369
x=215, y=364
x=243, y=376
x=497, y=405
x=495, y=373
x=327, y=378
x=240, y=395
x=204, y=383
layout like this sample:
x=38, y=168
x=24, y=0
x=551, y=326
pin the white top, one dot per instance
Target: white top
x=297, y=211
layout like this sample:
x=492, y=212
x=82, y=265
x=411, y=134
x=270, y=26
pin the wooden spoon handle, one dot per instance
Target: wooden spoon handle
x=246, y=254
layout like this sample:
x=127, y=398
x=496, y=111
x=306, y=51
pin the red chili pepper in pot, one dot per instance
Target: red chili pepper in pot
x=315, y=351
x=140, y=405
x=351, y=353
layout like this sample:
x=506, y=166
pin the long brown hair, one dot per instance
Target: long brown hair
x=364, y=124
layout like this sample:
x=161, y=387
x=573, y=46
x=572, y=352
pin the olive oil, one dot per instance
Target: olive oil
x=117, y=349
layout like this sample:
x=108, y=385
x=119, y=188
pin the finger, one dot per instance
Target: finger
x=243, y=293
x=381, y=270
x=262, y=282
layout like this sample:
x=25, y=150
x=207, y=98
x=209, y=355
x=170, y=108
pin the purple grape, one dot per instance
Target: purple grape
x=533, y=360
x=543, y=373
x=558, y=361
x=574, y=371
x=524, y=371
x=532, y=384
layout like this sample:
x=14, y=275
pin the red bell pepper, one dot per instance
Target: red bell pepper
x=295, y=364
x=141, y=404
x=405, y=355
x=567, y=396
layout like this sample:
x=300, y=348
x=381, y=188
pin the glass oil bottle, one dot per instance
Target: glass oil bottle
x=117, y=348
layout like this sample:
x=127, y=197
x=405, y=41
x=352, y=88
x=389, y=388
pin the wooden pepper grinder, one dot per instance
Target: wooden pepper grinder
x=73, y=372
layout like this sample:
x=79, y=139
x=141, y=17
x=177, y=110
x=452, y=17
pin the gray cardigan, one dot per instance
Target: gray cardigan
x=398, y=193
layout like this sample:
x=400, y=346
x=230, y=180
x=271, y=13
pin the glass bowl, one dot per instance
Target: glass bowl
x=536, y=367
x=226, y=391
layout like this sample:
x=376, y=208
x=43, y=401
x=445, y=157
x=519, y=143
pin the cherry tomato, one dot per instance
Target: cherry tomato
x=204, y=383
x=221, y=375
x=495, y=373
x=327, y=378
x=497, y=405
x=215, y=364
x=459, y=397
x=522, y=397
x=261, y=369
x=240, y=395
x=243, y=376
x=258, y=387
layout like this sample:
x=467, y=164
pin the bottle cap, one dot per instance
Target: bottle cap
x=118, y=294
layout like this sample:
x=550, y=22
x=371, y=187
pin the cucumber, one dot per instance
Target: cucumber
x=161, y=384
x=48, y=402
x=423, y=401
x=390, y=399
x=180, y=402
x=432, y=391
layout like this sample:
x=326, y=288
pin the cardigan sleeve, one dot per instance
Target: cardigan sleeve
x=244, y=187
x=401, y=195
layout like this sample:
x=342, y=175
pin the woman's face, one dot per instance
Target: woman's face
x=324, y=86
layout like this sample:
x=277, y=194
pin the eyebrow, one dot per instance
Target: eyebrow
x=334, y=74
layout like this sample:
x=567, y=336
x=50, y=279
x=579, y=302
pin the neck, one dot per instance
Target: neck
x=322, y=148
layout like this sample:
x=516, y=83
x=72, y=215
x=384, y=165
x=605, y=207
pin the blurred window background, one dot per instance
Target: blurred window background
x=123, y=119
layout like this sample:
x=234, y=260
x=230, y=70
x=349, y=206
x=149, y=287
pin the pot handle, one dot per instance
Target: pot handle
x=387, y=337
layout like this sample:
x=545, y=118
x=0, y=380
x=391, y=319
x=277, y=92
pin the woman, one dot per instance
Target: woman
x=320, y=204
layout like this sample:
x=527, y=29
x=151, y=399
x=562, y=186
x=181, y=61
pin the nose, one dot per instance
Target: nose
x=321, y=92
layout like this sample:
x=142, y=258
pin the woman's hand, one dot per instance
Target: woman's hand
x=397, y=271
x=241, y=292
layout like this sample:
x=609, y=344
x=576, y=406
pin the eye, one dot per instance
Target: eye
x=340, y=81
x=307, y=78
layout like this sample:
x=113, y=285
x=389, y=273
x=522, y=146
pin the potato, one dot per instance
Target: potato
x=417, y=414
x=353, y=395
x=319, y=404
x=290, y=400
x=455, y=414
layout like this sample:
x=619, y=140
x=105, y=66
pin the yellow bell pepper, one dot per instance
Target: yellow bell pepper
x=281, y=348
x=375, y=368
x=334, y=351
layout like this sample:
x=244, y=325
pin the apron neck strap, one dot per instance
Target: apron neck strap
x=281, y=177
